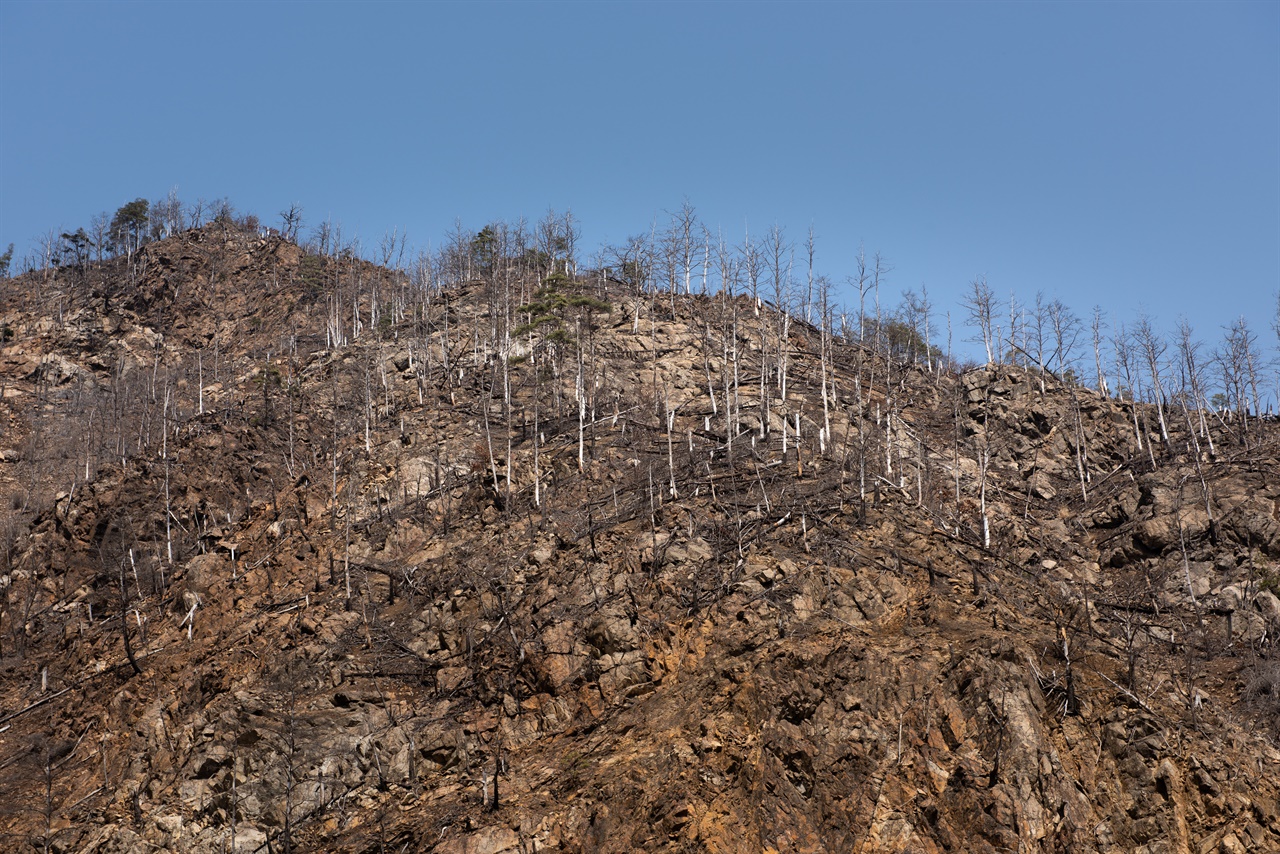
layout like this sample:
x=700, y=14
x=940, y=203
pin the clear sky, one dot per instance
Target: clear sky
x=1126, y=154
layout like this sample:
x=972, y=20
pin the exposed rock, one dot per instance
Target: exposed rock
x=412, y=597
x=491, y=840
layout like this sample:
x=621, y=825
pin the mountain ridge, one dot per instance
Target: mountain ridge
x=301, y=555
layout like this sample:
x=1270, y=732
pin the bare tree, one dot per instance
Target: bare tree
x=1152, y=347
x=1193, y=372
x=197, y=211
x=100, y=233
x=50, y=255
x=1127, y=374
x=557, y=237
x=809, y=250
x=925, y=311
x=778, y=254
x=678, y=247
x=1275, y=325
x=116, y=548
x=1098, y=326
x=1238, y=363
x=322, y=238
x=980, y=303
x=633, y=263
x=1275, y=321
x=1065, y=329
x=828, y=375
x=1035, y=337
x=862, y=281
x=1018, y=333
x=984, y=462
x=916, y=313
x=291, y=222
x=167, y=216
x=570, y=231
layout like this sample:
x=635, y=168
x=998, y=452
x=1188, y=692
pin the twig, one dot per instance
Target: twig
x=34, y=705
x=1130, y=695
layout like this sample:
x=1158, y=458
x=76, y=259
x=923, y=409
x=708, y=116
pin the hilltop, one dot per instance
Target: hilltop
x=301, y=552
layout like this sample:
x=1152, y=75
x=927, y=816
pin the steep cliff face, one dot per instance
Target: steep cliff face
x=299, y=557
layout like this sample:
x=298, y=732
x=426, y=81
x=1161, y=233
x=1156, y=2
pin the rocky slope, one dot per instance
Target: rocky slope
x=299, y=556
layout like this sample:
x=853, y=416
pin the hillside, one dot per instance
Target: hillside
x=301, y=555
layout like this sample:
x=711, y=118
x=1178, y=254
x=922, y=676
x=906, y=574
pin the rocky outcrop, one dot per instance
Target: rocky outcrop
x=272, y=584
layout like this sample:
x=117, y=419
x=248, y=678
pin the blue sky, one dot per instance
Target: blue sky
x=1126, y=154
